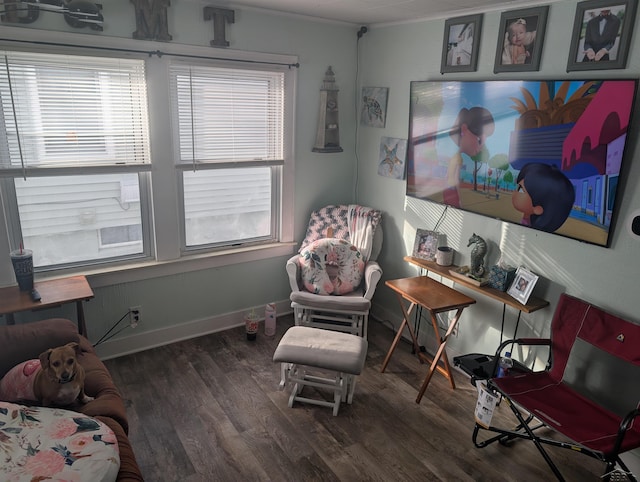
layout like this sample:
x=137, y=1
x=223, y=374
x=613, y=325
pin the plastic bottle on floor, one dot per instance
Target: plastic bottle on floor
x=505, y=364
x=270, y=319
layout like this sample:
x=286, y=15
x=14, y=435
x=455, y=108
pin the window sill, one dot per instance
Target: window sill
x=108, y=276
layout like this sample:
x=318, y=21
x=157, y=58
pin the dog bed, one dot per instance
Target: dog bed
x=38, y=443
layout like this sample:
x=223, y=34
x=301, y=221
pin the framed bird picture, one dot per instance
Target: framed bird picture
x=374, y=106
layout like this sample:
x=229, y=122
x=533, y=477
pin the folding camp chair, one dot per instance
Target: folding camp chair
x=589, y=391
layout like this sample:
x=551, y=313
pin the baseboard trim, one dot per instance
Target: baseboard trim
x=146, y=340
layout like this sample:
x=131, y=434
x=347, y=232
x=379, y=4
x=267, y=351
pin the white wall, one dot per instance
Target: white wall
x=194, y=302
x=392, y=56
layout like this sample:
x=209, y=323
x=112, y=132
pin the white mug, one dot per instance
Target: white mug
x=444, y=256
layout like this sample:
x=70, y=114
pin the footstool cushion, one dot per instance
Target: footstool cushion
x=304, y=347
x=319, y=348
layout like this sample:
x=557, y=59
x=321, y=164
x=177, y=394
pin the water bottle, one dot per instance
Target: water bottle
x=270, y=319
x=505, y=364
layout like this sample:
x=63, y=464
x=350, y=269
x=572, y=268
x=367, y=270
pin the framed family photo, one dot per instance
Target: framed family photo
x=523, y=285
x=601, y=36
x=520, y=40
x=461, y=44
x=425, y=245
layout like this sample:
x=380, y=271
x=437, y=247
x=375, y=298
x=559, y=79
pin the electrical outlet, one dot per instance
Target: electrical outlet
x=135, y=316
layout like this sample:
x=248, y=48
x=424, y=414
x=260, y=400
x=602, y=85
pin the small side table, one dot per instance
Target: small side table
x=53, y=293
x=436, y=298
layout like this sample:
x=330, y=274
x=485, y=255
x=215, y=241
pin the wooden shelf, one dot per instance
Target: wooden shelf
x=534, y=303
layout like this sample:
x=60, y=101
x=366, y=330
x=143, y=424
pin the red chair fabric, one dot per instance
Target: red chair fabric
x=588, y=389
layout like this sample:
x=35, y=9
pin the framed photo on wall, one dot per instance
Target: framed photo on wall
x=393, y=153
x=520, y=40
x=425, y=245
x=601, y=36
x=523, y=285
x=374, y=106
x=461, y=44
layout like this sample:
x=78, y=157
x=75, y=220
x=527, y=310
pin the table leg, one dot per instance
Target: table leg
x=405, y=322
x=438, y=355
x=10, y=319
x=82, y=326
x=446, y=371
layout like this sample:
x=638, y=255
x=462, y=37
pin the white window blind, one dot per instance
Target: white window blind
x=72, y=111
x=226, y=114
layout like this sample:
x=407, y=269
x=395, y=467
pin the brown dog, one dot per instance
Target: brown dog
x=55, y=379
x=61, y=379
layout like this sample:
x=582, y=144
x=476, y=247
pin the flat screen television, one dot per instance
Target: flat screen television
x=545, y=154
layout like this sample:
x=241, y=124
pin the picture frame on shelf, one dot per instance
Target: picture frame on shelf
x=461, y=44
x=520, y=40
x=523, y=284
x=601, y=36
x=425, y=245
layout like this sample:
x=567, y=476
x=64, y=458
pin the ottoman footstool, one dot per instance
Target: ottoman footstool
x=303, y=349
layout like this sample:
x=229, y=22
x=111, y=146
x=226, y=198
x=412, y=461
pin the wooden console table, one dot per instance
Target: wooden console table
x=533, y=304
x=53, y=293
x=436, y=298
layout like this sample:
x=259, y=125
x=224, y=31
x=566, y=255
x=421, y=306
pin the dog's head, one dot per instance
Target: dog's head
x=61, y=363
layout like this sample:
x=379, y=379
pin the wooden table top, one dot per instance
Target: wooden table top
x=533, y=304
x=430, y=293
x=52, y=292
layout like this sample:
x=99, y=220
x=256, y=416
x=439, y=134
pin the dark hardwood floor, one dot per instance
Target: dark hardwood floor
x=209, y=409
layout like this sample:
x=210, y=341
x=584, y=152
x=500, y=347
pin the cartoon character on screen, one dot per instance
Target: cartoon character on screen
x=469, y=132
x=544, y=196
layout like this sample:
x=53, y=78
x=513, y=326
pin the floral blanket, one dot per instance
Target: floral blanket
x=38, y=444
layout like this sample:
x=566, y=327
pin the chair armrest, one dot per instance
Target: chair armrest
x=523, y=341
x=519, y=341
x=293, y=271
x=624, y=426
x=372, y=274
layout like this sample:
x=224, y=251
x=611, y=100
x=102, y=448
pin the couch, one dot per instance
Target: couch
x=26, y=341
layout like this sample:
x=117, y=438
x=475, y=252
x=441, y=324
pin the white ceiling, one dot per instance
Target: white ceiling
x=368, y=12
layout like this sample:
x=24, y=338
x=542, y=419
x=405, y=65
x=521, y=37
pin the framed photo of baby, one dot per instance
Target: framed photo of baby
x=602, y=32
x=520, y=40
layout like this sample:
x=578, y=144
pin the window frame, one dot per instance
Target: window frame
x=208, y=70
x=166, y=255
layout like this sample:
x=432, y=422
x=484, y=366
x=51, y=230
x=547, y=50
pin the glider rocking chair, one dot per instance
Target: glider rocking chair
x=346, y=239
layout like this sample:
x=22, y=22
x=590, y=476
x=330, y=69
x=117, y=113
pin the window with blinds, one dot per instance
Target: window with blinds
x=73, y=142
x=77, y=146
x=228, y=114
x=230, y=137
x=71, y=111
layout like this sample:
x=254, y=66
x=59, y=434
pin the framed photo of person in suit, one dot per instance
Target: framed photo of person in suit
x=602, y=32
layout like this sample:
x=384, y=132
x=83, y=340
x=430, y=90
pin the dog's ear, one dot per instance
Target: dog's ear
x=44, y=358
x=74, y=346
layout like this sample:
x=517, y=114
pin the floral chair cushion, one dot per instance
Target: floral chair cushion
x=331, y=266
x=39, y=443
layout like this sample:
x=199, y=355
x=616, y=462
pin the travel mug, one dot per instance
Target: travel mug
x=22, y=260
